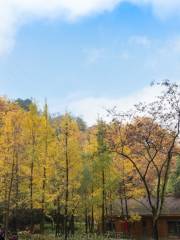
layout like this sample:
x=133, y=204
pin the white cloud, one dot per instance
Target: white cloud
x=125, y=55
x=164, y=8
x=140, y=40
x=163, y=59
x=92, y=107
x=14, y=13
x=94, y=55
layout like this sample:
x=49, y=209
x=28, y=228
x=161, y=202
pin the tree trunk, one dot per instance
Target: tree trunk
x=31, y=193
x=86, y=221
x=92, y=220
x=57, y=218
x=72, y=224
x=92, y=211
x=103, y=202
x=44, y=171
x=17, y=192
x=32, y=179
x=67, y=184
x=9, y=199
x=43, y=200
x=89, y=223
x=122, y=207
x=155, y=233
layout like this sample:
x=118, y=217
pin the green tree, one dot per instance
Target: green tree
x=24, y=103
x=174, y=181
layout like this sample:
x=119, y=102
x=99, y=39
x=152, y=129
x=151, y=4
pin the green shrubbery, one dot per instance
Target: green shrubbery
x=52, y=237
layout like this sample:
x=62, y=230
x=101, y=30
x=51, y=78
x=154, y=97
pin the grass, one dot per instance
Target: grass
x=75, y=237
x=79, y=235
x=52, y=237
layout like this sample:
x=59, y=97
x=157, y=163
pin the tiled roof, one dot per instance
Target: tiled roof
x=141, y=207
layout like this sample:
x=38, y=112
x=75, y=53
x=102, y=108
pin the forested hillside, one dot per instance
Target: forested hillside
x=60, y=171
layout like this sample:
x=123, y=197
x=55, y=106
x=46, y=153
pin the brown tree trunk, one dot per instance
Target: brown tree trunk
x=9, y=199
x=58, y=218
x=92, y=211
x=103, y=202
x=92, y=219
x=44, y=171
x=31, y=184
x=72, y=227
x=155, y=233
x=86, y=221
x=67, y=184
x=17, y=190
x=43, y=200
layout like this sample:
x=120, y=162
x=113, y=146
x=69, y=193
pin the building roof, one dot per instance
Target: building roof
x=141, y=207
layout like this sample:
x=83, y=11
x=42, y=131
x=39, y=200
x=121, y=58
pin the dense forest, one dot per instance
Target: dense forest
x=59, y=171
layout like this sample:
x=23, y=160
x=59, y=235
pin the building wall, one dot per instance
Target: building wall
x=142, y=230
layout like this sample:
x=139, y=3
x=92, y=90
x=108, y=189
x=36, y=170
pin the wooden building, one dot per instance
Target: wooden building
x=168, y=225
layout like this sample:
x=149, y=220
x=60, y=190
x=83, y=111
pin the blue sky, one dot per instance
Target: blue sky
x=88, y=60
